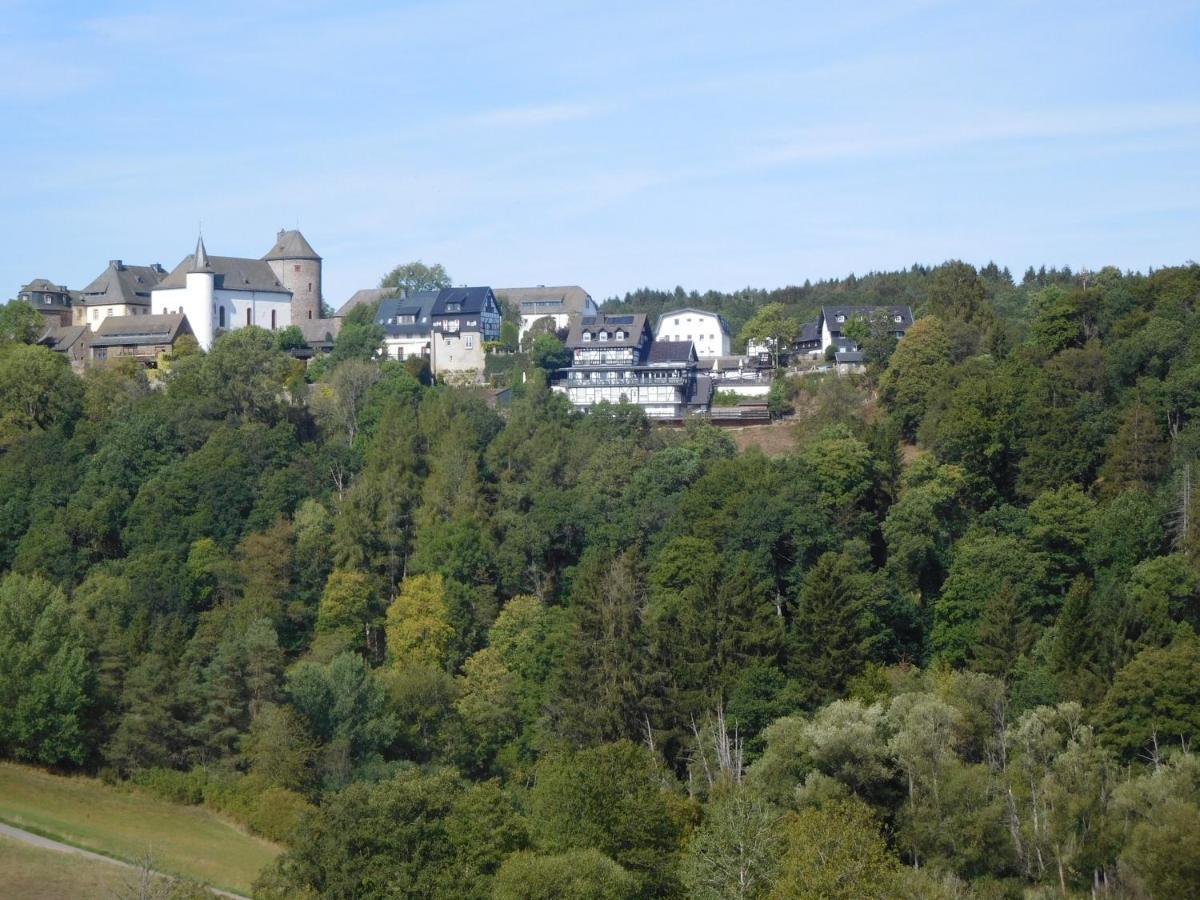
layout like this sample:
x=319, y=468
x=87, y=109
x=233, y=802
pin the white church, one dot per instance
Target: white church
x=221, y=293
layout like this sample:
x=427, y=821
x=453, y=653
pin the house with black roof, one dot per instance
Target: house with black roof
x=449, y=327
x=615, y=359
x=53, y=301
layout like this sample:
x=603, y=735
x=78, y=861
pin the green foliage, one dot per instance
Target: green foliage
x=835, y=851
x=573, y=875
x=38, y=391
x=549, y=353
x=20, y=323
x=416, y=276
x=1154, y=701
x=45, y=681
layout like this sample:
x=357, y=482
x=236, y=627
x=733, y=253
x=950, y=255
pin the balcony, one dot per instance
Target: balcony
x=625, y=381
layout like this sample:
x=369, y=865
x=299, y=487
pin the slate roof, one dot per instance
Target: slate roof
x=232, y=273
x=684, y=310
x=44, y=284
x=810, y=333
x=61, y=338
x=122, y=284
x=358, y=298
x=419, y=305
x=548, y=301
x=671, y=352
x=291, y=245
x=472, y=300
x=633, y=324
x=848, y=356
x=830, y=314
x=119, y=331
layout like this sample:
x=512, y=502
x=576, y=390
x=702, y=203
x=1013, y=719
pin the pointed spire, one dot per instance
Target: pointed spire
x=200, y=262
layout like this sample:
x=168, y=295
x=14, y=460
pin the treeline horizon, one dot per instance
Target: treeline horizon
x=945, y=646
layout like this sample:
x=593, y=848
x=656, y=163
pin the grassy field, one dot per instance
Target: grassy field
x=31, y=873
x=185, y=840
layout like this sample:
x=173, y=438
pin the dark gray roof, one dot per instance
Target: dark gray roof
x=366, y=295
x=469, y=300
x=633, y=325
x=848, y=356
x=668, y=352
x=810, y=332
x=132, y=330
x=62, y=338
x=419, y=306
x=291, y=245
x=44, y=284
x=548, y=301
x=233, y=273
x=120, y=284
x=200, y=261
x=830, y=314
x=691, y=309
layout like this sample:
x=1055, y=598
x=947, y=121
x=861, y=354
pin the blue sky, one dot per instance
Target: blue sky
x=608, y=144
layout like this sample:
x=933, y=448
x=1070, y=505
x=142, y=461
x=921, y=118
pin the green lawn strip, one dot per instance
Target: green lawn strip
x=188, y=842
x=35, y=873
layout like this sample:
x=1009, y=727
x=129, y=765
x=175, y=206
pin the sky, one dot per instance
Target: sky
x=608, y=144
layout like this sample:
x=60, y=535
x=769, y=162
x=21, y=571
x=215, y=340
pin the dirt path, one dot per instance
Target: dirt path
x=28, y=837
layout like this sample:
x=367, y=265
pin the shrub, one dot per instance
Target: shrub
x=173, y=785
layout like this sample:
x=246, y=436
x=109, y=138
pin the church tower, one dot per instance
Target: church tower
x=297, y=266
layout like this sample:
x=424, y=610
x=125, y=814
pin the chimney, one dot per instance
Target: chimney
x=116, y=264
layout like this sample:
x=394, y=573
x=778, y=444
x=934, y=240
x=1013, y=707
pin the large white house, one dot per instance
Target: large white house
x=708, y=332
x=221, y=293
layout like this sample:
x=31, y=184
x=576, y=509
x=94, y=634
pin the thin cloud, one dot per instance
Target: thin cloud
x=537, y=114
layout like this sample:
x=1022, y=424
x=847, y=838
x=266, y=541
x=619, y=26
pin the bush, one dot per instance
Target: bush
x=267, y=810
x=173, y=785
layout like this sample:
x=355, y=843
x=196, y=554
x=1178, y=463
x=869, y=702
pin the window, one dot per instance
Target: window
x=677, y=321
x=310, y=287
x=272, y=320
x=469, y=341
x=295, y=268
x=310, y=313
x=587, y=337
x=603, y=336
x=620, y=335
x=221, y=317
x=841, y=318
x=249, y=313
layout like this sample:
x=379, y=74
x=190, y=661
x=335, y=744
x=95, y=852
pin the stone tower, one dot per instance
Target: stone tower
x=297, y=266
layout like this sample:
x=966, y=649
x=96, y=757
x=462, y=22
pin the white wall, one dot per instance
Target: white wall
x=702, y=329
x=203, y=305
x=406, y=347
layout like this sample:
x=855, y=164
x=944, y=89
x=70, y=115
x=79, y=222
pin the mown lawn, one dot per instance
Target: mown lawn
x=31, y=873
x=184, y=840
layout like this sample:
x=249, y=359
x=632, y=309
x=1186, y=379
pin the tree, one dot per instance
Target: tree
x=916, y=370
x=416, y=276
x=835, y=851
x=549, y=353
x=735, y=851
x=38, y=390
x=1154, y=701
x=20, y=323
x=774, y=327
x=45, y=679
x=573, y=875
x=609, y=798
x=418, y=622
x=290, y=338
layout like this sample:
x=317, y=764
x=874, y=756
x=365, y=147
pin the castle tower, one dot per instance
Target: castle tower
x=297, y=266
x=198, y=300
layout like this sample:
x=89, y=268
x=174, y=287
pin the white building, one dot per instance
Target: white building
x=220, y=293
x=707, y=331
x=557, y=303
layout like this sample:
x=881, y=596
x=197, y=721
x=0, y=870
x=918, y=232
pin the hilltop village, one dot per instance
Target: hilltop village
x=677, y=365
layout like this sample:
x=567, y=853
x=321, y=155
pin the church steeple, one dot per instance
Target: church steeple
x=200, y=261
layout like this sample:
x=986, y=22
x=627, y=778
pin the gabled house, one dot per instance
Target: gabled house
x=143, y=338
x=708, y=331
x=406, y=325
x=615, y=358
x=461, y=321
x=834, y=319
x=559, y=304
x=120, y=290
x=72, y=341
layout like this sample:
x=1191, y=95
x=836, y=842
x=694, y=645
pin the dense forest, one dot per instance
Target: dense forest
x=946, y=647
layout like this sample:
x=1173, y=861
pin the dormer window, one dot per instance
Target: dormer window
x=620, y=335
x=841, y=318
x=899, y=319
x=587, y=337
x=603, y=336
